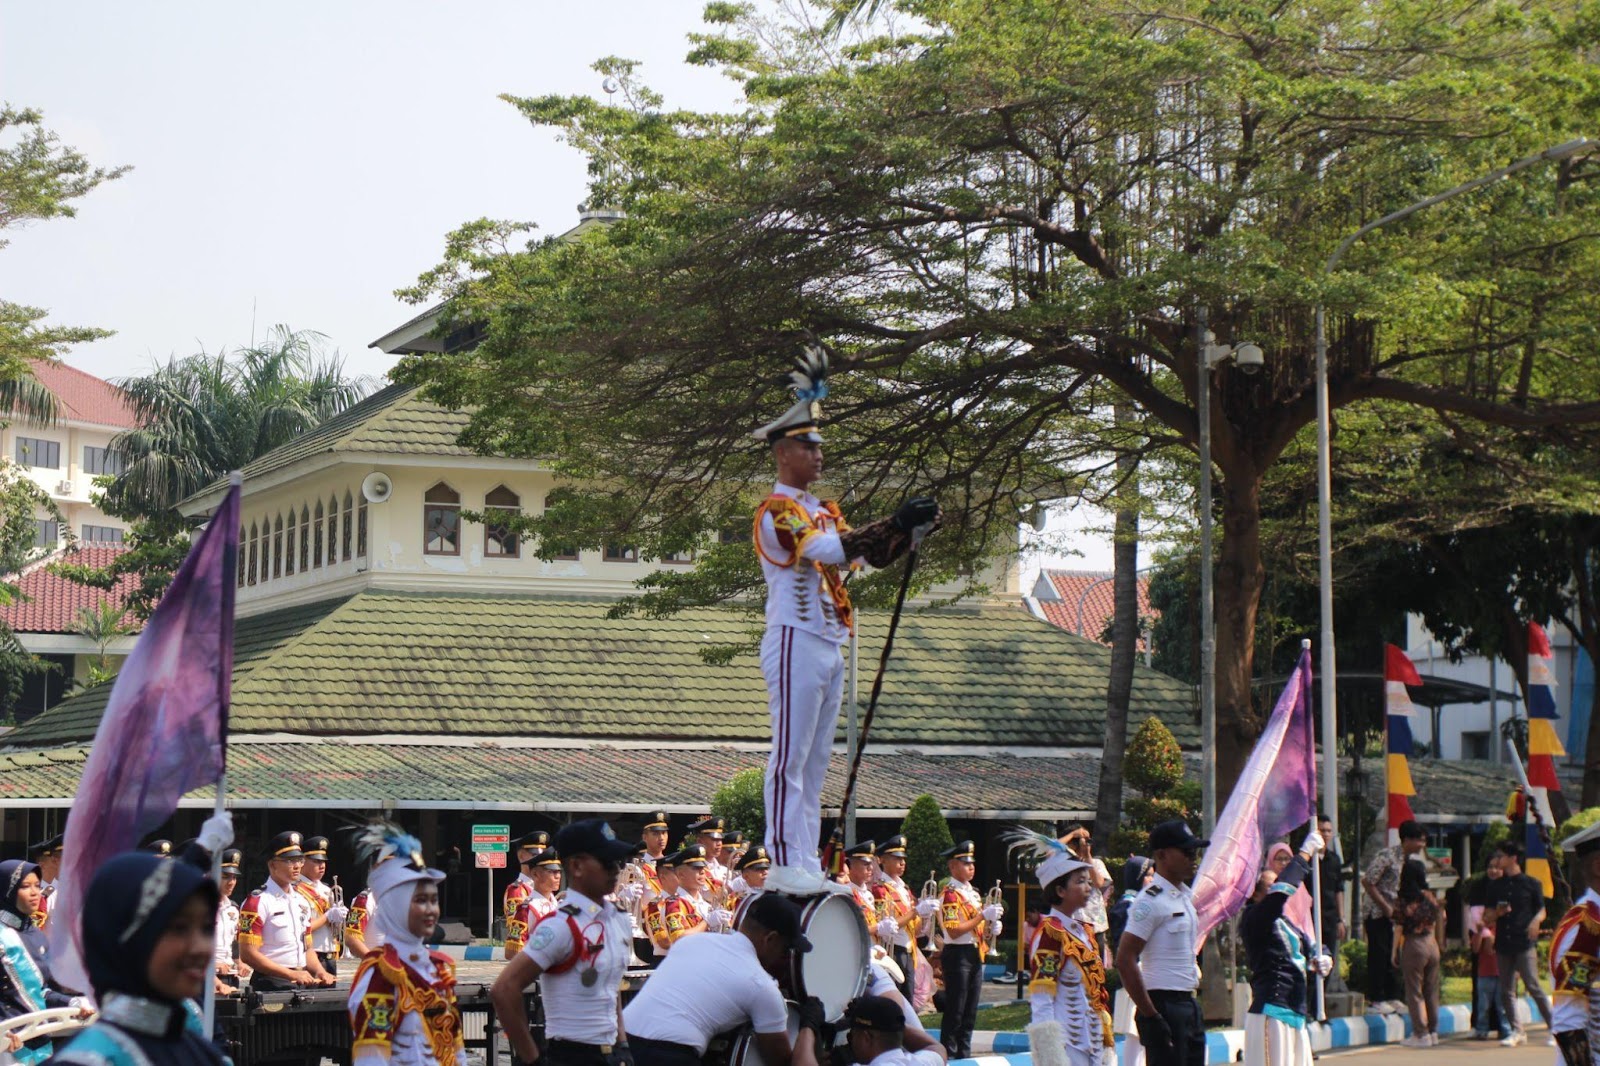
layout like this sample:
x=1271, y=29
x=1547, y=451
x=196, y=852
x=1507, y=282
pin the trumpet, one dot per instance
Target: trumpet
x=930, y=890
x=338, y=893
x=632, y=874
x=995, y=897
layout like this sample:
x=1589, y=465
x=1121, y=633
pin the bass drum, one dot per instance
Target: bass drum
x=743, y=1050
x=835, y=970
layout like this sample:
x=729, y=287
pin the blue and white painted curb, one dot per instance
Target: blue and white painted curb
x=1227, y=1045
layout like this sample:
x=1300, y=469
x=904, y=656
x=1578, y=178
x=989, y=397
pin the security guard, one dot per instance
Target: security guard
x=1156, y=955
x=805, y=547
x=965, y=920
x=47, y=856
x=895, y=908
x=273, y=924
x=860, y=869
x=521, y=887
x=226, y=967
x=578, y=955
x=327, y=918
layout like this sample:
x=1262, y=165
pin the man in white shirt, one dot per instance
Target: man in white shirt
x=711, y=984
x=877, y=1035
x=803, y=545
x=579, y=955
x=1156, y=955
x=273, y=923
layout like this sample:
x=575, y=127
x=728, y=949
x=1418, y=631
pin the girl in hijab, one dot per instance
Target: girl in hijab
x=149, y=930
x=25, y=984
x=1280, y=952
x=403, y=1000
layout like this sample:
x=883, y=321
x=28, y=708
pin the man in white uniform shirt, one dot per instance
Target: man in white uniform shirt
x=273, y=923
x=803, y=544
x=579, y=955
x=1156, y=955
x=711, y=984
x=878, y=1035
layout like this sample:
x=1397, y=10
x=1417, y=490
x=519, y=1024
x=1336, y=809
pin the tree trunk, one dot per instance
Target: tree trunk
x=1124, y=648
x=1240, y=577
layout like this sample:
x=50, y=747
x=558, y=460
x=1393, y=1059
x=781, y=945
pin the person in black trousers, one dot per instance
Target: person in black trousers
x=969, y=927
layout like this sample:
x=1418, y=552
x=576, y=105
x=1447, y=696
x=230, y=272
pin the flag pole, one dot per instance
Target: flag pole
x=230, y=570
x=1316, y=860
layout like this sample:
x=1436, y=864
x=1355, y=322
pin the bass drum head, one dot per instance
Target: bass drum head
x=743, y=1051
x=835, y=969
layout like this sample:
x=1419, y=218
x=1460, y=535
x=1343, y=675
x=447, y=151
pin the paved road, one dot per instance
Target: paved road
x=1453, y=1052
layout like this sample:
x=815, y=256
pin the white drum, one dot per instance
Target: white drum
x=835, y=969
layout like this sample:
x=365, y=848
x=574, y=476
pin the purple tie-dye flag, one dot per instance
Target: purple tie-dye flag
x=1276, y=793
x=164, y=731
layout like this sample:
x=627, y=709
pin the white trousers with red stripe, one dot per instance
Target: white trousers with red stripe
x=805, y=681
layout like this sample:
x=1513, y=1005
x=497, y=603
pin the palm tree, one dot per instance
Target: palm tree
x=102, y=624
x=204, y=415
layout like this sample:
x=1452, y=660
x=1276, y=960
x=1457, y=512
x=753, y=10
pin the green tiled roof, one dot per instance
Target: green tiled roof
x=610, y=779
x=393, y=420
x=488, y=665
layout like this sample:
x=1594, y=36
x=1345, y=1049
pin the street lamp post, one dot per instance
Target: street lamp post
x=1330, y=733
x=1209, y=354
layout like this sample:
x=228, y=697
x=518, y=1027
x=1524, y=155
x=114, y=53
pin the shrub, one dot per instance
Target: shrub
x=741, y=804
x=927, y=834
x=1153, y=763
x=1153, y=810
x=1354, y=953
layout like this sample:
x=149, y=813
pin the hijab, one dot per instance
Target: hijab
x=1133, y=873
x=12, y=873
x=130, y=902
x=394, y=880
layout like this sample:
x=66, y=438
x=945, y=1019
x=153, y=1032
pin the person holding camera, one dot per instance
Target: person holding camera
x=1157, y=955
x=1518, y=902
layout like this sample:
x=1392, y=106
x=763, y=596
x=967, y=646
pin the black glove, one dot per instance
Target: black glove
x=621, y=1055
x=1154, y=1032
x=813, y=1015
x=917, y=511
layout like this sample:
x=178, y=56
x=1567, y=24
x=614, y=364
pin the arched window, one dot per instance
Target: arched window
x=289, y=556
x=441, y=521
x=244, y=546
x=361, y=529
x=250, y=567
x=277, y=546
x=333, y=530
x=344, y=531
x=316, y=536
x=498, y=537
x=305, y=537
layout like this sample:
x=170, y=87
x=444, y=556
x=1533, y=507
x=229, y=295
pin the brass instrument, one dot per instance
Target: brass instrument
x=995, y=897
x=338, y=893
x=633, y=874
x=930, y=890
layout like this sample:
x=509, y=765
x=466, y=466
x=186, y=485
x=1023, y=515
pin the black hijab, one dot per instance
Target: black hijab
x=129, y=904
x=12, y=873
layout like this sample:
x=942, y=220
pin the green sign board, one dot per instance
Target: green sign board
x=491, y=838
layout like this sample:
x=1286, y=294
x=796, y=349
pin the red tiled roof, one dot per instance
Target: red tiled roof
x=1091, y=588
x=49, y=602
x=83, y=397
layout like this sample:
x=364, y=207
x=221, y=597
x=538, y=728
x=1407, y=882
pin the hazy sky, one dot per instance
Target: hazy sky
x=295, y=163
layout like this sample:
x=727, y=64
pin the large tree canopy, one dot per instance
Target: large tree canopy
x=1002, y=221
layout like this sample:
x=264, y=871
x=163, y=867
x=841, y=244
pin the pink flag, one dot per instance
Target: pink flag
x=164, y=730
x=1276, y=793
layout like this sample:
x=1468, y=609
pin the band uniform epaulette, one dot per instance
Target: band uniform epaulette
x=570, y=910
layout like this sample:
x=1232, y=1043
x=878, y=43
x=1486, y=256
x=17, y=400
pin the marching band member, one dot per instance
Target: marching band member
x=578, y=955
x=636, y=896
x=521, y=887
x=545, y=870
x=967, y=922
x=147, y=945
x=691, y=864
x=327, y=918
x=361, y=934
x=708, y=833
x=403, y=1000
x=750, y=875
x=1575, y=959
x=859, y=869
x=658, y=909
x=895, y=910
x=733, y=848
x=228, y=971
x=1066, y=979
x=804, y=545
x=1280, y=956
x=25, y=981
x=273, y=925
x=48, y=857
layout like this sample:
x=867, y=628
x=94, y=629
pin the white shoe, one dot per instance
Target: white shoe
x=1416, y=1041
x=1516, y=1039
x=795, y=881
x=1550, y=1041
x=1433, y=1039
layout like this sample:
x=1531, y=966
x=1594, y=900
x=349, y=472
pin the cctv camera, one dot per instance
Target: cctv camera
x=1248, y=358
